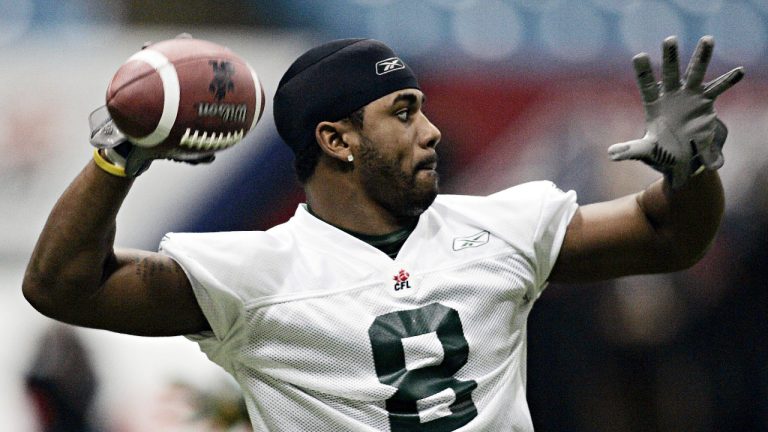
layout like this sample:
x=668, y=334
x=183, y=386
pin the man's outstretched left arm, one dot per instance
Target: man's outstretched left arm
x=658, y=230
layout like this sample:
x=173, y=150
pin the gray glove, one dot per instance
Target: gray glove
x=118, y=156
x=683, y=134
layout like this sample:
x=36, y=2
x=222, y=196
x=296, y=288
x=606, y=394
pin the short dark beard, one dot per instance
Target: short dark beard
x=389, y=186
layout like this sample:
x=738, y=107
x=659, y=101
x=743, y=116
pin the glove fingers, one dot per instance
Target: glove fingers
x=722, y=83
x=670, y=72
x=649, y=89
x=104, y=133
x=204, y=160
x=635, y=149
x=193, y=158
x=697, y=67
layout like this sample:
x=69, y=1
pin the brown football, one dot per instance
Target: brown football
x=185, y=95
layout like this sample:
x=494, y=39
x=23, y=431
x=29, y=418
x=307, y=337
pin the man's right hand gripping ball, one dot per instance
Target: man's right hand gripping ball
x=683, y=134
x=117, y=155
x=182, y=99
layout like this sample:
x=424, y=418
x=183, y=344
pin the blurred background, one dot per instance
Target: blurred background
x=521, y=89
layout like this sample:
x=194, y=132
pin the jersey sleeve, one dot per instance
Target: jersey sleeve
x=222, y=306
x=540, y=212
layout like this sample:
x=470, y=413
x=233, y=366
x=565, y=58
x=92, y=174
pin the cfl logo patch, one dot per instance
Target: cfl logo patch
x=401, y=280
x=389, y=65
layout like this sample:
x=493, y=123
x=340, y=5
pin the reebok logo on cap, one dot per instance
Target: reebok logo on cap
x=389, y=65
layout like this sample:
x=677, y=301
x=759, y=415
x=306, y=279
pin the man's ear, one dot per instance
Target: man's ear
x=332, y=136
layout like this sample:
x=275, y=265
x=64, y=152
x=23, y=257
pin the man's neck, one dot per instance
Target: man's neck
x=339, y=202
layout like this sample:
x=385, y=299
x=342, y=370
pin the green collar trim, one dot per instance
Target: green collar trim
x=390, y=243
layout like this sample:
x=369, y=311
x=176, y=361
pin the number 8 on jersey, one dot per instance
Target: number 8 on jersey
x=418, y=351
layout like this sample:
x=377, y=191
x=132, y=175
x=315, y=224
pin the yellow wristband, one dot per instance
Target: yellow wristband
x=106, y=165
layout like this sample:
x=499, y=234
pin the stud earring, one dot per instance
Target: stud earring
x=350, y=158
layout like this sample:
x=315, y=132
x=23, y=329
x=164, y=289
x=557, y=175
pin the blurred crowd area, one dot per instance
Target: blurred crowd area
x=521, y=89
x=567, y=31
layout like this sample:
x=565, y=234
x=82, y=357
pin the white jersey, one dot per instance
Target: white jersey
x=326, y=333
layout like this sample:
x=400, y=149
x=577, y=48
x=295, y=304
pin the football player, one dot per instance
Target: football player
x=382, y=305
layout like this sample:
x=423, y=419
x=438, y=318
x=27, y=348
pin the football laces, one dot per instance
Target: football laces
x=210, y=141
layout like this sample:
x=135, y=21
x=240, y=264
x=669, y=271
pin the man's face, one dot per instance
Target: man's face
x=396, y=158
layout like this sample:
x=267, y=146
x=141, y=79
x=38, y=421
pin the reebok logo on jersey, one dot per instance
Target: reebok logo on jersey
x=474, y=240
x=401, y=280
x=389, y=65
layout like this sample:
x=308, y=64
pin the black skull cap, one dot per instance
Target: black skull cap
x=331, y=81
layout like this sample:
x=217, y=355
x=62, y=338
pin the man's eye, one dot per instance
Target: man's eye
x=403, y=115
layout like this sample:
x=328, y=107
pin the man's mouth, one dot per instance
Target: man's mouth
x=429, y=164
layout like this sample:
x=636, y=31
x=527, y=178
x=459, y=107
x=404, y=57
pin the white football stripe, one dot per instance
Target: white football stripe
x=257, y=108
x=171, y=92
